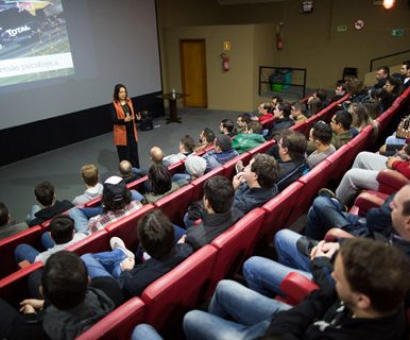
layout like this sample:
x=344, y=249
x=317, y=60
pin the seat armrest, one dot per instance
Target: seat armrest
x=391, y=181
x=369, y=199
x=296, y=287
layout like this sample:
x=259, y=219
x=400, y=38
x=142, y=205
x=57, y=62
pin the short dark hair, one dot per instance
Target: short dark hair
x=344, y=118
x=209, y=135
x=285, y=108
x=300, y=106
x=378, y=270
x=407, y=63
x=156, y=233
x=296, y=143
x=321, y=94
x=385, y=69
x=322, y=132
x=255, y=126
x=228, y=124
x=266, y=168
x=188, y=142
x=267, y=106
x=245, y=117
x=44, y=193
x=64, y=280
x=117, y=89
x=4, y=214
x=218, y=190
x=62, y=229
x=160, y=178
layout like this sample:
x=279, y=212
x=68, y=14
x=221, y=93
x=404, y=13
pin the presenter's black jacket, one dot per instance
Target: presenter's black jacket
x=321, y=315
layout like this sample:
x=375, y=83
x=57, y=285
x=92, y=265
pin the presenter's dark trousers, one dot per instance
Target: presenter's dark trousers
x=129, y=152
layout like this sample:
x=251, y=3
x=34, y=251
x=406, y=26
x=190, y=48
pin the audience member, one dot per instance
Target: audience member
x=405, y=71
x=394, y=87
x=227, y=127
x=314, y=106
x=186, y=147
x=283, y=120
x=116, y=203
x=206, y=140
x=48, y=206
x=275, y=100
x=156, y=155
x=222, y=153
x=70, y=306
x=218, y=216
x=242, y=122
x=298, y=112
x=8, y=227
x=340, y=92
x=156, y=237
x=250, y=139
x=195, y=167
x=128, y=173
x=340, y=124
x=256, y=184
x=89, y=173
x=365, y=302
x=382, y=73
x=383, y=98
x=320, y=137
x=161, y=183
x=265, y=112
x=62, y=234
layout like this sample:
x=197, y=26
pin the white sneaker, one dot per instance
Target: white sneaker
x=117, y=243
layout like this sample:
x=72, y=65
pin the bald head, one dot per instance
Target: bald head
x=125, y=168
x=156, y=155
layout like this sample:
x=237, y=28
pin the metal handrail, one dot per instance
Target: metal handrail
x=386, y=56
x=304, y=70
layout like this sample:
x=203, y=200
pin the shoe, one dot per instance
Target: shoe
x=117, y=243
x=329, y=193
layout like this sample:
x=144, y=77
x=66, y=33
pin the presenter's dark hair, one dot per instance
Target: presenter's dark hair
x=117, y=89
x=64, y=280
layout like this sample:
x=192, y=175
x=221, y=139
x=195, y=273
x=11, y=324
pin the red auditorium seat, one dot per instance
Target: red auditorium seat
x=279, y=210
x=169, y=297
x=126, y=228
x=30, y=236
x=300, y=127
x=235, y=245
x=391, y=181
x=262, y=148
x=198, y=190
x=119, y=324
x=177, y=167
x=229, y=167
x=175, y=205
x=94, y=243
x=296, y=287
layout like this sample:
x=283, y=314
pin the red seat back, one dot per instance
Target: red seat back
x=178, y=167
x=235, y=245
x=126, y=228
x=30, y=236
x=173, y=294
x=94, y=243
x=119, y=324
x=198, y=190
x=175, y=205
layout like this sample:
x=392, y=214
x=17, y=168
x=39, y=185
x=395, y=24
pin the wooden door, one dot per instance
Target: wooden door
x=193, y=72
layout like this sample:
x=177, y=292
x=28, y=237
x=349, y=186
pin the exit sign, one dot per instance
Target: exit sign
x=397, y=32
x=341, y=28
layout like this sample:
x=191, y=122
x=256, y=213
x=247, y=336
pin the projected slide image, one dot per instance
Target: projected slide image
x=34, y=41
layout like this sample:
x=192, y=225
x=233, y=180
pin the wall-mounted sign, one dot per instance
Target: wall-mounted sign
x=398, y=32
x=358, y=25
x=341, y=28
x=227, y=45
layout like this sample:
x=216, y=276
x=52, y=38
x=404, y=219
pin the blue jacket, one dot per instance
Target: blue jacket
x=215, y=159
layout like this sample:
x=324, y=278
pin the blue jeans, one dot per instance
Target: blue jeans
x=81, y=217
x=181, y=177
x=136, y=196
x=326, y=213
x=251, y=313
x=265, y=276
x=145, y=332
x=105, y=263
x=25, y=252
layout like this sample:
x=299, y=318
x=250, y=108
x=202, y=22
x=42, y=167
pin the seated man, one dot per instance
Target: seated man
x=298, y=112
x=382, y=73
x=89, y=173
x=222, y=153
x=250, y=139
x=372, y=281
x=156, y=155
x=256, y=184
x=161, y=183
x=265, y=113
x=195, y=167
x=186, y=147
x=227, y=128
x=7, y=226
x=366, y=167
x=49, y=205
x=320, y=138
x=62, y=234
x=243, y=121
x=218, y=216
x=340, y=92
x=71, y=303
x=283, y=122
x=156, y=235
x=340, y=124
x=128, y=173
x=206, y=140
x=117, y=202
x=405, y=71
x=291, y=152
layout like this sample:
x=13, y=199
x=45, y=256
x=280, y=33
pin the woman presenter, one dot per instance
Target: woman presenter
x=125, y=130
